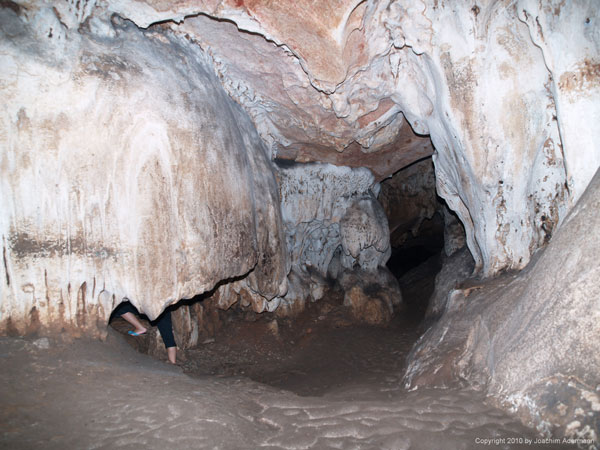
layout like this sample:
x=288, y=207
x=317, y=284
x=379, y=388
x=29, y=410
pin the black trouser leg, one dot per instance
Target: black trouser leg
x=164, y=323
x=124, y=307
x=165, y=326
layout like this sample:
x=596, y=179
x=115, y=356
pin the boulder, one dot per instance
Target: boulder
x=370, y=296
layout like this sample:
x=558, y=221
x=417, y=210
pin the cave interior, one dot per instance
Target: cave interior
x=371, y=224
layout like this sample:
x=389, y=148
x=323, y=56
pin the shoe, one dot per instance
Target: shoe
x=135, y=333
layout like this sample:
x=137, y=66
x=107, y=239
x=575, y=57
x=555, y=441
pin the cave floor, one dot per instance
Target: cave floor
x=312, y=355
x=339, y=388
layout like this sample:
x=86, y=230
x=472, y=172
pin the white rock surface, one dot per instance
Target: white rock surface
x=498, y=164
x=126, y=172
x=508, y=93
x=568, y=34
x=365, y=235
x=333, y=222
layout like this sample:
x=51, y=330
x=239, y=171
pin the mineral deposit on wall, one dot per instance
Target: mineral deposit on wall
x=127, y=171
x=531, y=338
x=507, y=106
x=333, y=223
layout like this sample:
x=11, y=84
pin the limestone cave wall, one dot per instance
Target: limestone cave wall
x=127, y=172
x=529, y=339
x=333, y=223
x=489, y=83
x=507, y=90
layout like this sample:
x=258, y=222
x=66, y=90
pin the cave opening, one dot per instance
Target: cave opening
x=420, y=223
x=415, y=263
x=428, y=243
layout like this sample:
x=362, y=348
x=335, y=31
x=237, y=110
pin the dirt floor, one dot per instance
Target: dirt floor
x=318, y=351
x=315, y=382
x=96, y=395
x=311, y=355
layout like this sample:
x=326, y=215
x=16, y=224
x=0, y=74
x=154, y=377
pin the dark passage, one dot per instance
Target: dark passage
x=415, y=263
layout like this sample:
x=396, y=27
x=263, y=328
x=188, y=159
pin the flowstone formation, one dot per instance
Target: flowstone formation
x=336, y=227
x=483, y=80
x=127, y=172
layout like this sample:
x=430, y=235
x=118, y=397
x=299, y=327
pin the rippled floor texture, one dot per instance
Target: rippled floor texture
x=101, y=395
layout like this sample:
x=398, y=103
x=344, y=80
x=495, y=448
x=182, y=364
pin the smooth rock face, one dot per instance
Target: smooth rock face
x=127, y=171
x=530, y=339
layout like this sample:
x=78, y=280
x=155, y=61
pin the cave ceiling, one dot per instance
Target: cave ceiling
x=316, y=87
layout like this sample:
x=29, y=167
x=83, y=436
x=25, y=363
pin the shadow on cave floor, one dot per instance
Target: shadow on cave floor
x=322, y=350
x=309, y=356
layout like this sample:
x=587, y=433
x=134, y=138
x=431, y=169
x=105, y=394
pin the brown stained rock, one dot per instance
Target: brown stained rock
x=298, y=121
x=251, y=300
x=383, y=162
x=367, y=309
x=316, y=31
x=185, y=326
x=584, y=77
x=409, y=198
x=208, y=319
x=370, y=296
x=291, y=309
